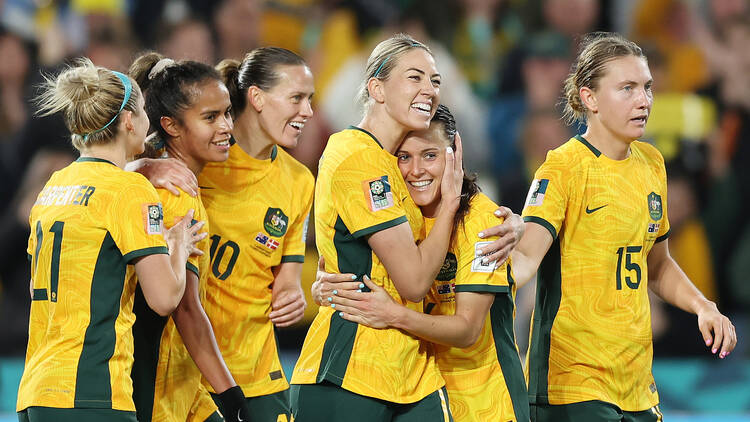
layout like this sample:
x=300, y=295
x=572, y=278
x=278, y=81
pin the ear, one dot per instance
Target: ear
x=256, y=98
x=126, y=119
x=588, y=97
x=170, y=126
x=375, y=88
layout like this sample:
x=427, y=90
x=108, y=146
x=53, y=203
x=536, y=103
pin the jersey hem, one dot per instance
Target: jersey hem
x=153, y=250
x=193, y=268
x=293, y=258
x=542, y=222
x=378, y=227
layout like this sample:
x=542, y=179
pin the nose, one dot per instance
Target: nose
x=306, y=110
x=416, y=168
x=645, y=99
x=226, y=124
x=429, y=90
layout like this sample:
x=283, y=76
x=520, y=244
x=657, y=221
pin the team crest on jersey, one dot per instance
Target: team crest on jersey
x=266, y=241
x=448, y=270
x=153, y=217
x=476, y=265
x=275, y=222
x=654, y=206
x=378, y=193
x=538, y=188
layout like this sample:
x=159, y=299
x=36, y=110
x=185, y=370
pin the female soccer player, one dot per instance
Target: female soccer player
x=190, y=108
x=469, y=311
x=597, y=231
x=90, y=222
x=366, y=224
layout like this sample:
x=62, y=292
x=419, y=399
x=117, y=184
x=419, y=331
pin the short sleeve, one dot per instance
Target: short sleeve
x=175, y=207
x=363, y=195
x=137, y=220
x=294, y=241
x=548, y=195
x=472, y=275
x=664, y=228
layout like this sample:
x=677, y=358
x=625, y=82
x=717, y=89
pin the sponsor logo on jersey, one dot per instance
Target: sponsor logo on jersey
x=654, y=206
x=593, y=210
x=538, y=188
x=476, y=265
x=653, y=227
x=378, y=193
x=153, y=215
x=275, y=222
x=448, y=270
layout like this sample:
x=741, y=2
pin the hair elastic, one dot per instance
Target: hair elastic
x=128, y=89
x=159, y=66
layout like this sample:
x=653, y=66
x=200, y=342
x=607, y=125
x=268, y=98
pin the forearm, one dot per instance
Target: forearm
x=672, y=285
x=198, y=336
x=177, y=260
x=449, y=330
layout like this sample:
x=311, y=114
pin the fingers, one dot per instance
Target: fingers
x=347, y=294
x=289, y=319
x=283, y=301
x=730, y=338
x=171, y=188
x=499, y=230
x=503, y=212
x=335, y=278
x=329, y=289
x=459, y=153
x=371, y=284
x=321, y=264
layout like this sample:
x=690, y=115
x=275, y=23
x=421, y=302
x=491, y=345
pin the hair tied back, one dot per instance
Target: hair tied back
x=159, y=66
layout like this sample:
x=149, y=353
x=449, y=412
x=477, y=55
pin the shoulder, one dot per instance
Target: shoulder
x=298, y=171
x=481, y=212
x=648, y=152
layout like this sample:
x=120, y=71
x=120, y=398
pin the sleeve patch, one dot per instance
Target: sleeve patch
x=476, y=265
x=378, y=193
x=153, y=217
x=538, y=188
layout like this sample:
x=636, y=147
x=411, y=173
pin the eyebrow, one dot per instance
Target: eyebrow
x=422, y=72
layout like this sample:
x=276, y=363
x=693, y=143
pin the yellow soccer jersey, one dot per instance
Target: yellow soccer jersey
x=90, y=220
x=258, y=211
x=360, y=191
x=166, y=380
x=591, y=334
x=485, y=381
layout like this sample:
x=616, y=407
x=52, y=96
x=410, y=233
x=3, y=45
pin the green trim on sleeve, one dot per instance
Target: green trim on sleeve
x=293, y=258
x=542, y=222
x=153, y=250
x=378, y=227
x=190, y=267
x=481, y=288
x=28, y=255
x=664, y=236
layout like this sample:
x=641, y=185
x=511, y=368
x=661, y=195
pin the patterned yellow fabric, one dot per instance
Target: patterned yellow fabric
x=258, y=211
x=90, y=220
x=177, y=379
x=591, y=334
x=360, y=191
x=203, y=406
x=484, y=381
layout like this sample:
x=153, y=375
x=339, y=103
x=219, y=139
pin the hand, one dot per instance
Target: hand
x=327, y=283
x=167, y=173
x=510, y=232
x=453, y=177
x=717, y=330
x=184, y=235
x=375, y=309
x=233, y=405
x=287, y=306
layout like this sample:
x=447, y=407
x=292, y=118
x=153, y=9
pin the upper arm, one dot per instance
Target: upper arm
x=152, y=271
x=136, y=221
x=548, y=195
x=473, y=307
x=295, y=238
x=533, y=246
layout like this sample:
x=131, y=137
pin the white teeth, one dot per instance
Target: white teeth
x=424, y=107
x=297, y=125
x=421, y=183
x=222, y=143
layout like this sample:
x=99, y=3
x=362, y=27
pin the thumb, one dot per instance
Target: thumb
x=321, y=264
x=706, y=333
x=371, y=284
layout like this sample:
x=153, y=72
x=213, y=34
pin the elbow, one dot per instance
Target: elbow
x=469, y=338
x=164, y=309
x=415, y=295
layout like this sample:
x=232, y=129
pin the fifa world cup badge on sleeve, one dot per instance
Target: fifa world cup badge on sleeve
x=476, y=265
x=378, y=193
x=536, y=192
x=153, y=215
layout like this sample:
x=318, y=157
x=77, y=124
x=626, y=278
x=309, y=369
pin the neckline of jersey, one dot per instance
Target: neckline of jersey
x=94, y=160
x=599, y=154
x=368, y=133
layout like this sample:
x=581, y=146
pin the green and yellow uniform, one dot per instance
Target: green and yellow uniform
x=485, y=381
x=166, y=380
x=88, y=223
x=258, y=211
x=360, y=191
x=591, y=333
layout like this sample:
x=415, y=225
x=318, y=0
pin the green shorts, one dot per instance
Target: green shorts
x=271, y=407
x=329, y=402
x=44, y=414
x=591, y=411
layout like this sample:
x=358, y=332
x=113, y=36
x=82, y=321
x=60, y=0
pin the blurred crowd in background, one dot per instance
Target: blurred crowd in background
x=502, y=62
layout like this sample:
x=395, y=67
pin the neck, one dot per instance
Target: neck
x=173, y=150
x=606, y=142
x=113, y=152
x=251, y=137
x=388, y=131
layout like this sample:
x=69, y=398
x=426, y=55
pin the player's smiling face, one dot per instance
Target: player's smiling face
x=206, y=126
x=287, y=106
x=412, y=90
x=421, y=159
x=624, y=98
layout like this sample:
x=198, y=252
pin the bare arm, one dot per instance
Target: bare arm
x=670, y=283
x=413, y=267
x=378, y=310
x=529, y=253
x=166, y=173
x=287, y=298
x=162, y=277
x=198, y=335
